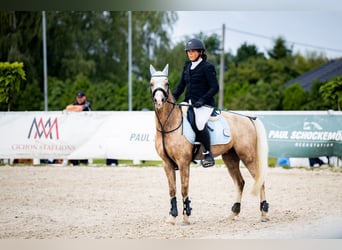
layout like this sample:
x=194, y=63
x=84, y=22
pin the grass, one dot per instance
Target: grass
x=219, y=162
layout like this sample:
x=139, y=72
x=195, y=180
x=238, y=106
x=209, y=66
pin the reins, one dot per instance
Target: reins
x=164, y=132
x=162, y=125
x=217, y=110
x=235, y=113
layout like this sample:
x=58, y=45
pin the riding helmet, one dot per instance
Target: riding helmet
x=194, y=44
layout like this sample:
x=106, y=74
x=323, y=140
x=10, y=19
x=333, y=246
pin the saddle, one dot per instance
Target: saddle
x=217, y=125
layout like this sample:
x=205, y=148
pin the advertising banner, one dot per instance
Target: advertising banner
x=303, y=134
x=130, y=134
x=78, y=135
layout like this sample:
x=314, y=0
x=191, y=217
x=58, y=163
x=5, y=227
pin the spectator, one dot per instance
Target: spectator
x=81, y=104
x=315, y=160
x=112, y=162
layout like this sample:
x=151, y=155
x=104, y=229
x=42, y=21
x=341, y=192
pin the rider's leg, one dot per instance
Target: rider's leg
x=207, y=158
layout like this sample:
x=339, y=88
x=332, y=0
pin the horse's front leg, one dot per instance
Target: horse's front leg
x=184, y=174
x=171, y=178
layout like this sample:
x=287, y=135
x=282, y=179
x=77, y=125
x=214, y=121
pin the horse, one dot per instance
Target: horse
x=248, y=143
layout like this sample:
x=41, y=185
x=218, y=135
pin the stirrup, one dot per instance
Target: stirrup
x=207, y=160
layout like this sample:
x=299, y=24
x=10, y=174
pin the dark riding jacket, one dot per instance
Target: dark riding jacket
x=200, y=83
x=86, y=106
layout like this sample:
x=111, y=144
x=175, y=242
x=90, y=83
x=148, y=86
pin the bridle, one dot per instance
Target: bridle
x=162, y=129
x=165, y=100
x=165, y=92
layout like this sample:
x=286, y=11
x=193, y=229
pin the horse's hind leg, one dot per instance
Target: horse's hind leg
x=252, y=168
x=263, y=204
x=232, y=162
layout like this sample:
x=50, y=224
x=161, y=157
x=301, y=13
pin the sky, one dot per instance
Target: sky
x=306, y=31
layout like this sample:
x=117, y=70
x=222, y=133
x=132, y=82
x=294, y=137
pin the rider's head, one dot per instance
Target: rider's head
x=195, y=45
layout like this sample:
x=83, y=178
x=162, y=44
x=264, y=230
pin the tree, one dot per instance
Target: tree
x=267, y=77
x=88, y=49
x=310, y=60
x=315, y=99
x=280, y=49
x=246, y=51
x=11, y=75
x=294, y=97
x=88, y=43
x=332, y=92
x=20, y=41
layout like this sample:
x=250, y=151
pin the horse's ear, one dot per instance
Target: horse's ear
x=166, y=70
x=152, y=70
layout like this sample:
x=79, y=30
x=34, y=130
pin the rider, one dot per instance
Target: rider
x=199, y=79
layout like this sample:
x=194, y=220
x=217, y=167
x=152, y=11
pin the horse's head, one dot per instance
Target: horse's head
x=159, y=86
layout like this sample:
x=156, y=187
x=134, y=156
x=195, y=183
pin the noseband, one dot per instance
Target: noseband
x=165, y=93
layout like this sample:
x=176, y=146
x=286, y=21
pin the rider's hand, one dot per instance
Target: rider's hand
x=198, y=104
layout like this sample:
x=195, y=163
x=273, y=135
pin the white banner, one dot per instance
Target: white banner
x=78, y=135
x=129, y=135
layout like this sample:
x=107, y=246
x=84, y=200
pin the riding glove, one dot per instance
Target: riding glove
x=198, y=104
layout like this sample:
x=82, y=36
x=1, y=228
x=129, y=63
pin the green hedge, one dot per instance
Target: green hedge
x=11, y=75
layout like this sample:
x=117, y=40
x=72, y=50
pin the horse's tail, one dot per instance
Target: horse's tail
x=262, y=156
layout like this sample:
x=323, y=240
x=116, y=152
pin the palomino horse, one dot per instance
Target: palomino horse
x=248, y=143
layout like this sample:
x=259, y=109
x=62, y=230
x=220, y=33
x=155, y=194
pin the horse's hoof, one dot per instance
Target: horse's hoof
x=232, y=216
x=264, y=219
x=171, y=220
x=185, y=220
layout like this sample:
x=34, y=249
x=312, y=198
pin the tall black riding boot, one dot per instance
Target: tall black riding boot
x=207, y=160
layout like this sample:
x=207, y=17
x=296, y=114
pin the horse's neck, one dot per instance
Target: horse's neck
x=169, y=116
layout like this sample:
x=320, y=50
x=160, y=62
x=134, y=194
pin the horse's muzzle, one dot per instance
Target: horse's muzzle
x=159, y=97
